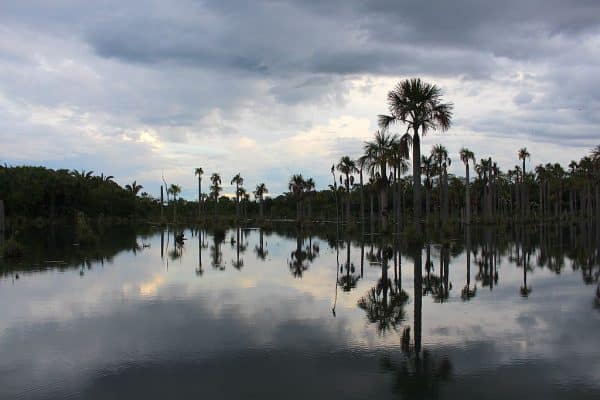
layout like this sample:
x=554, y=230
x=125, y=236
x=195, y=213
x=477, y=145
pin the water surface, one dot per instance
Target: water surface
x=250, y=313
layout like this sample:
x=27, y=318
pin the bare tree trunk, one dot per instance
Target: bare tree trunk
x=416, y=176
x=467, y=196
x=362, y=200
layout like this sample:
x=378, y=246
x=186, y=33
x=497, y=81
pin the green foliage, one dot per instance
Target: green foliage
x=41, y=192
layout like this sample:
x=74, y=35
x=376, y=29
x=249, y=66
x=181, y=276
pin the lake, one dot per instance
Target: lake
x=242, y=312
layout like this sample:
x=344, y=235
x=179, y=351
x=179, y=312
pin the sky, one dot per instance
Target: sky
x=269, y=88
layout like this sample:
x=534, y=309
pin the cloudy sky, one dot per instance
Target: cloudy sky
x=269, y=88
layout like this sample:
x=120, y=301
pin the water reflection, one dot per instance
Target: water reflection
x=303, y=255
x=108, y=320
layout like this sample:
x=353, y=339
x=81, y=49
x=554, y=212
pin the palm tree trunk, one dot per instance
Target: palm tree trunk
x=199, y=196
x=383, y=200
x=445, y=196
x=174, y=207
x=468, y=196
x=372, y=214
x=261, y=209
x=416, y=176
x=347, y=199
x=237, y=202
x=362, y=200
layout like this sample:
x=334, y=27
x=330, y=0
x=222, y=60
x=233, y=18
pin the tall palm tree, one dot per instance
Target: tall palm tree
x=296, y=185
x=238, y=181
x=215, y=189
x=379, y=155
x=199, y=172
x=347, y=166
x=259, y=194
x=523, y=155
x=174, y=190
x=419, y=105
x=309, y=188
x=440, y=155
x=465, y=156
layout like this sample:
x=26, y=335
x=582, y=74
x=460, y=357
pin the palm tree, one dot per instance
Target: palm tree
x=309, y=187
x=523, y=155
x=427, y=170
x=259, y=194
x=239, y=181
x=347, y=166
x=296, y=185
x=465, y=156
x=440, y=155
x=174, y=190
x=83, y=175
x=107, y=178
x=379, y=155
x=199, y=172
x=133, y=188
x=215, y=189
x=420, y=106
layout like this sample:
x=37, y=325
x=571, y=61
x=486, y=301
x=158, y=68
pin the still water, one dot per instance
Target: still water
x=487, y=313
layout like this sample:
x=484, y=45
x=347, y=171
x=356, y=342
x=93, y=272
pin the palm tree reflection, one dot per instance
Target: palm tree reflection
x=417, y=374
x=467, y=292
x=349, y=279
x=215, y=250
x=384, y=303
x=301, y=257
x=240, y=247
x=260, y=250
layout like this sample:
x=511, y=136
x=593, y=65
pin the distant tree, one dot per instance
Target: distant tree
x=238, y=181
x=215, y=189
x=259, y=193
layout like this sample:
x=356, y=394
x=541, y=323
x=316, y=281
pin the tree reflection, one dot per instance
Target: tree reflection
x=349, y=278
x=418, y=374
x=202, y=244
x=216, y=254
x=467, y=292
x=301, y=257
x=260, y=250
x=240, y=247
x=384, y=303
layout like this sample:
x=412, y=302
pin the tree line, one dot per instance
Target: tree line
x=377, y=179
